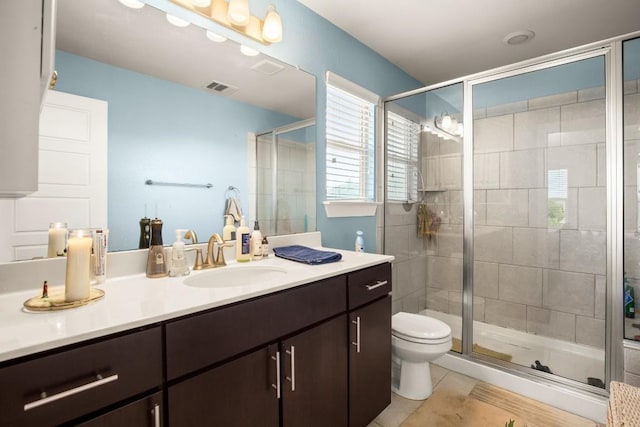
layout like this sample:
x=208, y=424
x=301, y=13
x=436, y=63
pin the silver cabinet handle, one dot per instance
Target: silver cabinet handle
x=292, y=379
x=156, y=415
x=48, y=399
x=277, y=384
x=377, y=285
x=357, y=342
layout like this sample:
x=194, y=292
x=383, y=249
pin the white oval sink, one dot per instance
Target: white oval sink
x=225, y=277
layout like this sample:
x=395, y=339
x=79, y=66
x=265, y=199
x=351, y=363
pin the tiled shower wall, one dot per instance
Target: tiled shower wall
x=530, y=275
x=296, y=187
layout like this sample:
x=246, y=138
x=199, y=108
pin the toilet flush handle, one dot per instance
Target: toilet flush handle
x=357, y=342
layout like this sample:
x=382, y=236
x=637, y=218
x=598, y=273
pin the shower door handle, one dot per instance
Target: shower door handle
x=378, y=284
x=357, y=342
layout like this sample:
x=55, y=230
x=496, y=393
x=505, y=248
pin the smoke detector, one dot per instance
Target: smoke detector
x=518, y=37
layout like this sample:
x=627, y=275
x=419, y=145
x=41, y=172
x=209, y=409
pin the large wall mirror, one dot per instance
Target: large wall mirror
x=181, y=108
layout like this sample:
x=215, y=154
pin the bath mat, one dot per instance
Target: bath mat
x=534, y=412
x=457, y=347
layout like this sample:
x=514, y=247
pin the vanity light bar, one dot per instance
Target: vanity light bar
x=218, y=10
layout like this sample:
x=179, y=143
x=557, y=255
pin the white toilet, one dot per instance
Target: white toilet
x=416, y=340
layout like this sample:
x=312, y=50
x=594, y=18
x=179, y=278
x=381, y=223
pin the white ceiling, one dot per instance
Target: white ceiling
x=435, y=41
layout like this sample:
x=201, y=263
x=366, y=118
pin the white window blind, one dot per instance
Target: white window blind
x=350, y=131
x=402, y=158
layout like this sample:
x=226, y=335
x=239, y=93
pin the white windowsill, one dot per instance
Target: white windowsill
x=346, y=208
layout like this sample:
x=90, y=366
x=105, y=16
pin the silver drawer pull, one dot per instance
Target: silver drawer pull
x=357, y=342
x=292, y=378
x=377, y=285
x=48, y=399
x=277, y=384
x=156, y=415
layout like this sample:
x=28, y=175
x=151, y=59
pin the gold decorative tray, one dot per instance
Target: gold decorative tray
x=55, y=300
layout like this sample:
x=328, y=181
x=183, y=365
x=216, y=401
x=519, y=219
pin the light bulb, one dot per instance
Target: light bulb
x=246, y=50
x=272, y=28
x=178, y=22
x=238, y=12
x=453, y=126
x=133, y=4
x=201, y=3
x=215, y=37
x=446, y=121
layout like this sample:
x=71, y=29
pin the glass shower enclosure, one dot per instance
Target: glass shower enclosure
x=501, y=225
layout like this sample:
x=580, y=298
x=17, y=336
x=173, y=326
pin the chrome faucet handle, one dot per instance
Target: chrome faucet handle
x=198, y=264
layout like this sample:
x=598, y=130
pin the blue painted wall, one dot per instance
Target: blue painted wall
x=166, y=132
x=317, y=46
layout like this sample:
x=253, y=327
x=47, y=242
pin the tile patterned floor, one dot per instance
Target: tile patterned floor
x=458, y=400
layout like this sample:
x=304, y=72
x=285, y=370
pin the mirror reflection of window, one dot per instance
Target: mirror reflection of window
x=557, y=195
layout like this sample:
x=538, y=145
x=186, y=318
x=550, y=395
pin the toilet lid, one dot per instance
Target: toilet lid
x=418, y=326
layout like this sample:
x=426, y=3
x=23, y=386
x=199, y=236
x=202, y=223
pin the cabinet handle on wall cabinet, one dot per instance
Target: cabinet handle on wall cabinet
x=48, y=399
x=357, y=342
x=292, y=379
x=156, y=415
x=378, y=284
x=277, y=384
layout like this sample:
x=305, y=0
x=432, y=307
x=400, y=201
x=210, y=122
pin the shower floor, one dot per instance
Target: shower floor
x=566, y=359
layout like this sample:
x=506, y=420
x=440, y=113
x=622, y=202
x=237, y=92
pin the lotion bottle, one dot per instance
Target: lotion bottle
x=359, y=241
x=179, y=266
x=243, y=242
x=256, y=242
x=229, y=230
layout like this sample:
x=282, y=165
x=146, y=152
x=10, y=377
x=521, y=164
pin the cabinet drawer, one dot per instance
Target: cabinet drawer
x=368, y=284
x=201, y=340
x=143, y=412
x=80, y=380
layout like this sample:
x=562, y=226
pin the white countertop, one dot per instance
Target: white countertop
x=134, y=301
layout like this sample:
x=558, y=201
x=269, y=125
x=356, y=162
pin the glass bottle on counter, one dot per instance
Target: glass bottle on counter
x=156, y=266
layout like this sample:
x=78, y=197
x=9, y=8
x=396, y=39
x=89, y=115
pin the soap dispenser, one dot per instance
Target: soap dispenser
x=243, y=242
x=256, y=242
x=156, y=266
x=229, y=230
x=179, y=266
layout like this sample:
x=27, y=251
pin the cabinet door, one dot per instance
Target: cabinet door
x=314, y=376
x=369, y=361
x=143, y=412
x=238, y=393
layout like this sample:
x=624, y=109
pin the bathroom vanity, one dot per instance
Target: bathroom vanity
x=311, y=348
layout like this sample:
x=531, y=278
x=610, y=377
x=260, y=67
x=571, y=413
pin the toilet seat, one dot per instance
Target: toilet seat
x=420, y=329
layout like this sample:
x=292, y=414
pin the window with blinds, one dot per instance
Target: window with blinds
x=350, y=131
x=402, y=158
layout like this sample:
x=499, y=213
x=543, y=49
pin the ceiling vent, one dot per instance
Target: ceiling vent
x=268, y=67
x=221, y=88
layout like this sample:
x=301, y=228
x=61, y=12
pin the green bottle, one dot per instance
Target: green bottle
x=629, y=303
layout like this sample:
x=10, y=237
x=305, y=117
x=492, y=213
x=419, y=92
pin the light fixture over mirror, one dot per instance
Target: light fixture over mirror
x=236, y=15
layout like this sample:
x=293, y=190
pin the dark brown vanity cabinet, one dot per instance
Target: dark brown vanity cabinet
x=314, y=355
x=292, y=364
x=75, y=382
x=370, y=343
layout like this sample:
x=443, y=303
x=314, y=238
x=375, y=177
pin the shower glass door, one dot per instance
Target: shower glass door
x=285, y=175
x=540, y=219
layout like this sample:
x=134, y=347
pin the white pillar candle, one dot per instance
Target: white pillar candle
x=57, y=238
x=76, y=285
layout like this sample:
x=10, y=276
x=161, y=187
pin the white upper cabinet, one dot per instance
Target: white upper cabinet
x=26, y=52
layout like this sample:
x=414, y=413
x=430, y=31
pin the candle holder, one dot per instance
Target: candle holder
x=78, y=272
x=57, y=239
